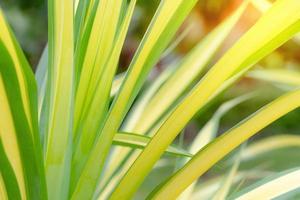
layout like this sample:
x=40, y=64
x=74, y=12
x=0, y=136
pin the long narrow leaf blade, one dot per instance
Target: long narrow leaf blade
x=19, y=120
x=260, y=40
x=141, y=141
x=270, y=144
x=60, y=98
x=191, y=67
x=272, y=187
x=281, y=77
x=101, y=99
x=8, y=180
x=164, y=25
x=209, y=132
x=223, y=191
x=220, y=147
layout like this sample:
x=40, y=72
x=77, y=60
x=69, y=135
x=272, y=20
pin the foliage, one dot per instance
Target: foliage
x=63, y=131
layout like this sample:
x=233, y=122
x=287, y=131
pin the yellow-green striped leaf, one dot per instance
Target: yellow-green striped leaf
x=166, y=21
x=224, y=144
x=187, y=71
x=21, y=157
x=98, y=107
x=260, y=40
x=209, y=132
x=141, y=141
x=271, y=187
x=60, y=94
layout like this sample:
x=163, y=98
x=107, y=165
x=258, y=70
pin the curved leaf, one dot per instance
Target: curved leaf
x=219, y=148
x=166, y=21
x=141, y=141
x=280, y=77
x=18, y=119
x=271, y=187
x=260, y=40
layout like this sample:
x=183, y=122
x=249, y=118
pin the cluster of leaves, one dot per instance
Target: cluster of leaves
x=58, y=128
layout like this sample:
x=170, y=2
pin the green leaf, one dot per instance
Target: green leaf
x=188, y=70
x=133, y=117
x=20, y=140
x=206, y=189
x=60, y=94
x=271, y=187
x=210, y=129
x=81, y=11
x=118, y=80
x=92, y=55
x=177, y=41
x=223, y=191
x=270, y=144
x=166, y=21
x=121, y=158
x=281, y=77
x=265, y=5
x=260, y=40
x=9, y=183
x=184, y=73
x=141, y=141
x=219, y=148
x=98, y=108
x=41, y=76
x=209, y=132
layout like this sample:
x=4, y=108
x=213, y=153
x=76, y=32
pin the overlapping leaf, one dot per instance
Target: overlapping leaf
x=60, y=95
x=260, y=40
x=22, y=172
x=168, y=18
